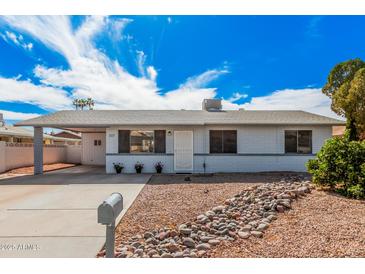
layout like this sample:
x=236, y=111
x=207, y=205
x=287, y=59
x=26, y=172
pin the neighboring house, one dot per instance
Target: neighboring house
x=67, y=134
x=11, y=134
x=197, y=141
x=338, y=131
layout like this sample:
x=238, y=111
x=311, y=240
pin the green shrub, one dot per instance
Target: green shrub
x=356, y=191
x=340, y=164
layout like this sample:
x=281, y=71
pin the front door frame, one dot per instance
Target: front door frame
x=192, y=152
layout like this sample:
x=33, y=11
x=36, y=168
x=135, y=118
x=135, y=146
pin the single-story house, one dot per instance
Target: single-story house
x=192, y=141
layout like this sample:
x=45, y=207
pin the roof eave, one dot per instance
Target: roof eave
x=62, y=126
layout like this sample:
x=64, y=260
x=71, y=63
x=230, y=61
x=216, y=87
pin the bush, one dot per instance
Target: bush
x=340, y=164
x=356, y=191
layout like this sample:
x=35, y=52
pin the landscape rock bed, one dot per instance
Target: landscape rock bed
x=246, y=215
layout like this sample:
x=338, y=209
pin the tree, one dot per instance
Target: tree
x=81, y=103
x=90, y=103
x=346, y=87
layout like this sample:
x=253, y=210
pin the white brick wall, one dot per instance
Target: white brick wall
x=259, y=141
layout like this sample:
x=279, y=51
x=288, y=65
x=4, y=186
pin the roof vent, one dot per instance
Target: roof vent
x=2, y=122
x=212, y=104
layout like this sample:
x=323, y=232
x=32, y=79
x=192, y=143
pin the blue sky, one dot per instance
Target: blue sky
x=172, y=62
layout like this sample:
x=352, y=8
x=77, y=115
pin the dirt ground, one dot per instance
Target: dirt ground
x=320, y=225
x=29, y=170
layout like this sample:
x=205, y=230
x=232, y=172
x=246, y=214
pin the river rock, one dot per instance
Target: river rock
x=243, y=234
x=189, y=242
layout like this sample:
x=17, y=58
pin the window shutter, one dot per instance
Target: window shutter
x=123, y=141
x=160, y=141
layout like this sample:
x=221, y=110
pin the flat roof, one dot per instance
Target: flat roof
x=107, y=118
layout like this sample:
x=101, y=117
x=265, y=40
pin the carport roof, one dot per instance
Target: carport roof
x=107, y=118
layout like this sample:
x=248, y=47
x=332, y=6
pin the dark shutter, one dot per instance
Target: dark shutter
x=229, y=141
x=215, y=141
x=160, y=141
x=290, y=141
x=123, y=141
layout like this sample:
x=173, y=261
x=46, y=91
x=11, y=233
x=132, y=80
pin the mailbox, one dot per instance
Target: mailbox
x=108, y=211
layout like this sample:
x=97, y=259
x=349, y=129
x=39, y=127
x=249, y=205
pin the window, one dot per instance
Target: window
x=142, y=141
x=298, y=141
x=97, y=142
x=137, y=141
x=223, y=141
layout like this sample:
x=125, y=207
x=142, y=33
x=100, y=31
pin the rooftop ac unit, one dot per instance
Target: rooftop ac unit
x=212, y=104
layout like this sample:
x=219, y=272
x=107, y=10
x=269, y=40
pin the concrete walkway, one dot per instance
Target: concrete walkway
x=54, y=215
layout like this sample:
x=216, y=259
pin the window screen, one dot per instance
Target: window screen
x=304, y=141
x=291, y=141
x=223, y=141
x=298, y=141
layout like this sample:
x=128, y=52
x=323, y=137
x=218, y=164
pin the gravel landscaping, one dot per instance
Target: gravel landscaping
x=238, y=215
x=169, y=200
x=321, y=225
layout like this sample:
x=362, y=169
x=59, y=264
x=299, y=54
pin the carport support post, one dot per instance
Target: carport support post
x=38, y=150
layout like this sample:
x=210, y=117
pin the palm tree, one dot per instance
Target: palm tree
x=90, y=103
x=76, y=103
x=81, y=103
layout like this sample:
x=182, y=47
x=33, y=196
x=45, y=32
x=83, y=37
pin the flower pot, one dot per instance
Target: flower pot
x=118, y=171
x=139, y=170
x=159, y=170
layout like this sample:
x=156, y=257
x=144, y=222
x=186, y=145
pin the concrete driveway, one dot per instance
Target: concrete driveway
x=54, y=215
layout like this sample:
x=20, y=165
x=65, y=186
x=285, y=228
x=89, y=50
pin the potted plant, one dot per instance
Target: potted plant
x=118, y=167
x=159, y=167
x=138, y=167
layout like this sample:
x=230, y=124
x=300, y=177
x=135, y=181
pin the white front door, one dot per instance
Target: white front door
x=183, y=151
x=93, y=148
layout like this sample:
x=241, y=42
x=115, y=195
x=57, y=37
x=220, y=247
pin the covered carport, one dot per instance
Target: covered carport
x=93, y=136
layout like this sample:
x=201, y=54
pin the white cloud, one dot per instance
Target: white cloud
x=308, y=99
x=117, y=27
x=237, y=96
x=11, y=115
x=17, y=40
x=152, y=73
x=12, y=90
x=140, y=61
x=202, y=80
x=92, y=74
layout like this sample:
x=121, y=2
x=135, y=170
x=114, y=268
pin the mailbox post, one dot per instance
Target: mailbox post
x=108, y=212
